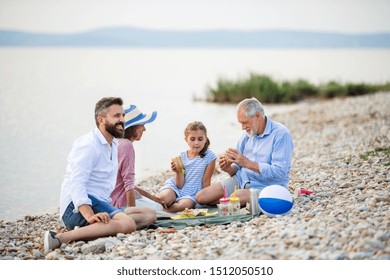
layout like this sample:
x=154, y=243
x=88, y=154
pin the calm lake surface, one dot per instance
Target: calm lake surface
x=47, y=99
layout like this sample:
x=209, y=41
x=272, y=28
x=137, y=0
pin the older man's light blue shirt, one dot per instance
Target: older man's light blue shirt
x=92, y=169
x=272, y=150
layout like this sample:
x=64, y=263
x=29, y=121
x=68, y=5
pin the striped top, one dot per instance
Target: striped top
x=195, y=169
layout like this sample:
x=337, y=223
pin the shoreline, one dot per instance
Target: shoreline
x=347, y=216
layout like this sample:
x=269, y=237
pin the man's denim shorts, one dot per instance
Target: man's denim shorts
x=71, y=219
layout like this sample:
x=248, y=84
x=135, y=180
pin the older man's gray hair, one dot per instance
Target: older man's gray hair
x=250, y=106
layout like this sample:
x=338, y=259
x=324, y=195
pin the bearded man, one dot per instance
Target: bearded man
x=261, y=158
x=90, y=177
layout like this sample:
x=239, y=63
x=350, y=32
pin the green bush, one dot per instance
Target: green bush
x=333, y=89
x=305, y=89
x=360, y=89
x=264, y=88
x=267, y=90
x=288, y=92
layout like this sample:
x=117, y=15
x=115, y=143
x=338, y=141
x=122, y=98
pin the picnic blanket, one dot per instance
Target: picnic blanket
x=166, y=222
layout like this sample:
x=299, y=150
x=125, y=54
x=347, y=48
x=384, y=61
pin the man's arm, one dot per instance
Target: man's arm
x=280, y=164
x=87, y=212
x=81, y=161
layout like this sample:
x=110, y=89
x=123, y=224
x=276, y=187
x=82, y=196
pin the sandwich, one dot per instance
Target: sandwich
x=179, y=164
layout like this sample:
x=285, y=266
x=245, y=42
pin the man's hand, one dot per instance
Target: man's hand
x=87, y=212
x=102, y=217
x=235, y=156
x=223, y=163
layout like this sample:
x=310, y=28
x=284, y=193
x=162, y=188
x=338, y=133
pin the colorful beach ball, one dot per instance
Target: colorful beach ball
x=275, y=200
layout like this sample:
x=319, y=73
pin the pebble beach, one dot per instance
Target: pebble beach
x=341, y=153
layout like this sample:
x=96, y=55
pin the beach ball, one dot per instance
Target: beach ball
x=275, y=200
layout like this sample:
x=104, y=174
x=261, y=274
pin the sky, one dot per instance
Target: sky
x=70, y=16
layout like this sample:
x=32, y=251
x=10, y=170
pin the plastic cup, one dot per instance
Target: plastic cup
x=235, y=206
x=223, y=207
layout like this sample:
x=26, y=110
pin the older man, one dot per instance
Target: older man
x=262, y=156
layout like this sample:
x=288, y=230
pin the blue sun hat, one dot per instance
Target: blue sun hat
x=134, y=116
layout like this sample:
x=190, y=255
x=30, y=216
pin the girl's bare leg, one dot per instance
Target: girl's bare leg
x=168, y=196
x=181, y=205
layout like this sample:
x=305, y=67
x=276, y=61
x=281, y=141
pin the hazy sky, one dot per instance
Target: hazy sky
x=64, y=16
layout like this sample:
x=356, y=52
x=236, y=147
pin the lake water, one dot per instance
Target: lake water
x=48, y=97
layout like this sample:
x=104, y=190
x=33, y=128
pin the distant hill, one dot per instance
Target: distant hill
x=142, y=38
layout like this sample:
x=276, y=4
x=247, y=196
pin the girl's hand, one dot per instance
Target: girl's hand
x=173, y=167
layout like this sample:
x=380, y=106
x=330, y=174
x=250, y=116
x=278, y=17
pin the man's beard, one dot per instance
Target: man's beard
x=112, y=129
x=251, y=133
